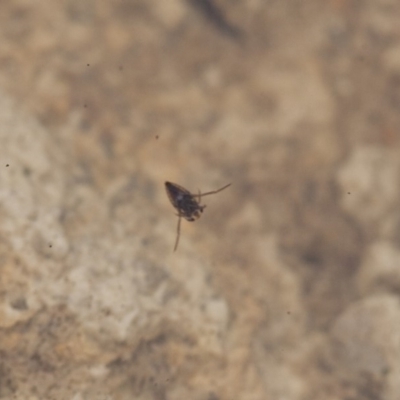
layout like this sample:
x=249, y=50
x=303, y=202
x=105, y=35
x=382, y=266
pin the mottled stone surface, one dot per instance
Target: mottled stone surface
x=287, y=287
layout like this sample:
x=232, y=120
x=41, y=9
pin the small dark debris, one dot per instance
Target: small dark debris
x=27, y=171
x=212, y=396
x=19, y=304
x=216, y=17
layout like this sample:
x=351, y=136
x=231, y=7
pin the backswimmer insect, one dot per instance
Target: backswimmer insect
x=187, y=204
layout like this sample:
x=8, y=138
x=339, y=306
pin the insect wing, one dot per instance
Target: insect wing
x=175, y=192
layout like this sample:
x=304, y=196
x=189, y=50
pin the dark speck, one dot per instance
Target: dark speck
x=27, y=171
x=216, y=17
x=212, y=396
x=19, y=304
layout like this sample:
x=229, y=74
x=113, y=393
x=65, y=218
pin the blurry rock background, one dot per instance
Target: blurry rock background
x=288, y=286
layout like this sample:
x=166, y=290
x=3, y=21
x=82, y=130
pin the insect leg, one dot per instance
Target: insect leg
x=214, y=191
x=178, y=232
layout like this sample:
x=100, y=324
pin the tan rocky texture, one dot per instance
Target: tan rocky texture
x=287, y=288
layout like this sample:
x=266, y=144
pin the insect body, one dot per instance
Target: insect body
x=187, y=204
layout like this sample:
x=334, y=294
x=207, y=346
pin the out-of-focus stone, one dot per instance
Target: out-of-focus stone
x=366, y=338
x=380, y=269
x=369, y=184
